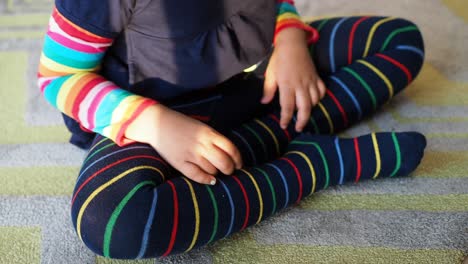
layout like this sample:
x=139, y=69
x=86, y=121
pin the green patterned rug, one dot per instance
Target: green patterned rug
x=423, y=219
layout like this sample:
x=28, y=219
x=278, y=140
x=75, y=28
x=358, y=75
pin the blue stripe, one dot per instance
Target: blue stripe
x=411, y=48
x=340, y=158
x=286, y=7
x=52, y=90
x=106, y=107
x=108, y=155
x=144, y=242
x=351, y=95
x=248, y=146
x=232, y=207
x=332, y=44
x=69, y=62
x=51, y=44
x=286, y=187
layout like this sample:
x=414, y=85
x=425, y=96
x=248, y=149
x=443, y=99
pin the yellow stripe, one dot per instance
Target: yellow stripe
x=330, y=123
x=372, y=32
x=271, y=134
x=381, y=75
x=260, y=214
x=121, y=114
x=91, y=149
x=197, y=215
x=287, y=15
x=311, y=167
x=57, y=67
x=65, y=90
x=104, y=186
x=377, y=156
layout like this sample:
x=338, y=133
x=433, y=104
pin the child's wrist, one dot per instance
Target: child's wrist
x=310, y=34
x=290, y=35
x=144, y=127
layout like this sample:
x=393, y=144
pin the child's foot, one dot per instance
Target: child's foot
x=331, y=160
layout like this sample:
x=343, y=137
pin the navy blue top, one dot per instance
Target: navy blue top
x=165, y=48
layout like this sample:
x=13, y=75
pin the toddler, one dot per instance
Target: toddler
x=205, y=117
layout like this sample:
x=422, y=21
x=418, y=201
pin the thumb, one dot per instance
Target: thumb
x=269, y=88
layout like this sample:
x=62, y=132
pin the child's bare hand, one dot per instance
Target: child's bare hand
x=195, y=149
x=292, y=69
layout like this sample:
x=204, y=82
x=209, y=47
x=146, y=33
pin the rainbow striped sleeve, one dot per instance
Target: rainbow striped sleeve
x=287, y=16
x=68, y=79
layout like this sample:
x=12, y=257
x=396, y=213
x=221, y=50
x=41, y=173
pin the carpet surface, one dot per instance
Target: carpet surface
x=422, y=219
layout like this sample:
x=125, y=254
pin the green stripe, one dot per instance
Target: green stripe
x=115, y=216
x=386, y=202
x=320, y=26
x=24, y=20
x=363, y=83
x=398, y=154
x=215, y=207
x=322, y=155
x=273, y=194
x=97, y=151
x=26, y=34
x=37, y=180
x=394, y=33
x=245, y=249
x=21, y=244
x=314, y=124
x=259, y=139
x=287, y=8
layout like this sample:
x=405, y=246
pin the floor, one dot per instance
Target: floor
x=422, y=219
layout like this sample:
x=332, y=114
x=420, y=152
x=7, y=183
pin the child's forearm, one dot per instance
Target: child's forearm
x=67, y=77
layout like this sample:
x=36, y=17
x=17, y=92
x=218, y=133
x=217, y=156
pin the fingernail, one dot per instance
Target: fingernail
x=213, y=182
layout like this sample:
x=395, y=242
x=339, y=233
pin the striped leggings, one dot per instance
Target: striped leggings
x=129, y=203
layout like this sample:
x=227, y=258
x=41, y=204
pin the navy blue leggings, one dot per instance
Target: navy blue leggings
x=129, y=203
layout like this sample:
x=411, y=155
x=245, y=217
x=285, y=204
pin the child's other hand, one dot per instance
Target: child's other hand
x=193, y=148
x=291, y=68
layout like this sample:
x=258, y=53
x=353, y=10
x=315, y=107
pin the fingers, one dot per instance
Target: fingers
x=205, y=165
x=219, y=159
x=227, y=146
x=196, y=174
x=321, y=88
x=287, y=102
x=303, y=99
x=269, y=88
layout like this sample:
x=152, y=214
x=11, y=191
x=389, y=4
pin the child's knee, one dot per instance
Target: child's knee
x=112, y=217
x=416, y=38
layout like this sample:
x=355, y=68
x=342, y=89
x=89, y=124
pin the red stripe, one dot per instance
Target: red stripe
x=96, y=102
x=121, y=134
x=398, y=64
x=76, y=31
x=201, y=118
x=351, y=39
x=108, y=167
x=45, y=84
x=176, y=220
x=284, y=130
x=286, y=1
x=358, y=159
x=82, y=94
x=292, y=22
x=299, y=179
x=247, y=202
x=340, y=107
